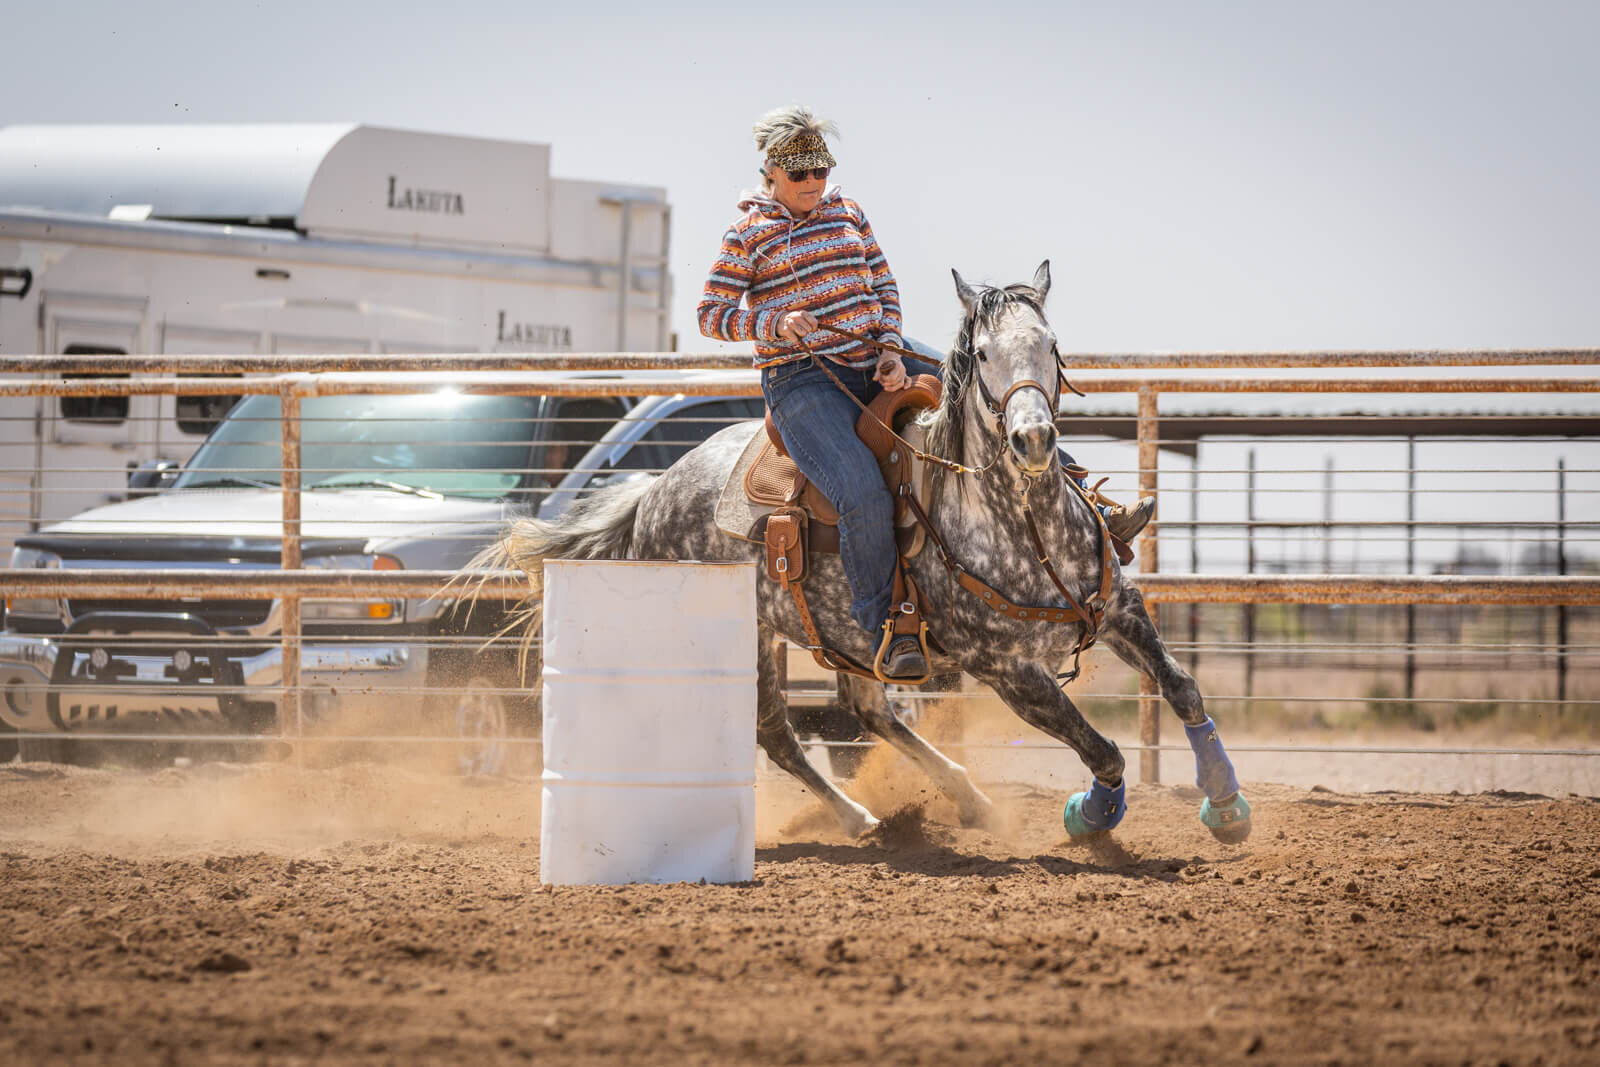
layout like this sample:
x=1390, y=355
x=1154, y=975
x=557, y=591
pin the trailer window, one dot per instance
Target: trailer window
x=106, y=410
x=200, y=414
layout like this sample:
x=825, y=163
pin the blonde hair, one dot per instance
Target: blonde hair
x=780, y=126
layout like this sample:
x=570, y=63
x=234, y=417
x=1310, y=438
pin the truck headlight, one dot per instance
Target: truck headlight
x=354, y=610
x=30, y=559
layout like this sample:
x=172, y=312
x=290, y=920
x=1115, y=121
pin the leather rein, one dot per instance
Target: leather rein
x=1091, y=612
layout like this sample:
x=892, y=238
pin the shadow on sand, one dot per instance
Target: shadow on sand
x=908, y=843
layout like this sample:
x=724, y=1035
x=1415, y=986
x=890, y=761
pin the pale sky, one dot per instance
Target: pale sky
x=1202, y=176
x=1238, y=176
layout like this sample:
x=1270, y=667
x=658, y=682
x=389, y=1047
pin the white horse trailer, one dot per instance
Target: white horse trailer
x=288, y=239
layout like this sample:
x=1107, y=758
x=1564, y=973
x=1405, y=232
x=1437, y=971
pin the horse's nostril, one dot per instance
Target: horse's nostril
x=1029, y=438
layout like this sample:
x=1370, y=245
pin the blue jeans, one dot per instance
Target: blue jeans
x=817, y=423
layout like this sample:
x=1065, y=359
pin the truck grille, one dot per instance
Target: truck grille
x=221, y=614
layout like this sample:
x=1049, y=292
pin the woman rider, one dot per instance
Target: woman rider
x=801, y=253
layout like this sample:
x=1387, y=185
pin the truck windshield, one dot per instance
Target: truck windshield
x=450, y=443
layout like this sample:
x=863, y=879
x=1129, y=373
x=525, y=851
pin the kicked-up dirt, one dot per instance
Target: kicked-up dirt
x=259, y=914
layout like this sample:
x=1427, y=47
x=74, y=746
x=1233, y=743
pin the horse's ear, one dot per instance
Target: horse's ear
x=968, y=295
x=1041, y=280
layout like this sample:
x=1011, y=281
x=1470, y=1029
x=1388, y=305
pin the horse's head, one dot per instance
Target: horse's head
x=1007, y=352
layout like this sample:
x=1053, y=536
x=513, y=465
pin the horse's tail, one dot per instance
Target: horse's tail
x=598, y=526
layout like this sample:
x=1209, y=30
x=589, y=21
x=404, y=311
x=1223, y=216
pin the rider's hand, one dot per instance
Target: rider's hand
x=890, y=373
x=796, y=323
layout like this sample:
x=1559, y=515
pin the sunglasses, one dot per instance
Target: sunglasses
x=820, y=173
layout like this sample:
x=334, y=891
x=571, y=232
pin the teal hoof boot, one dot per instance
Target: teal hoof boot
x=1098, y=810
x=1228, y=820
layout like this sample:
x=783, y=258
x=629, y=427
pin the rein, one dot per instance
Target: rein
x=1061, y=363
x=1090, y=613
x=927, y=457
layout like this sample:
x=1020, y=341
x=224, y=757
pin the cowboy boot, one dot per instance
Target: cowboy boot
x=1125, y=522
x=904, y=658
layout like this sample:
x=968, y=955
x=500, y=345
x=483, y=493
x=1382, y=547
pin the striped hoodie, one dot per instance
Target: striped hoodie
x=828, y=263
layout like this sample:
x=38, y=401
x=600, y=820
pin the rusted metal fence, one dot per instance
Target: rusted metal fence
x=296, y=378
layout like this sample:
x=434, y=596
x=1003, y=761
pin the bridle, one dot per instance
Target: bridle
x=997, y=408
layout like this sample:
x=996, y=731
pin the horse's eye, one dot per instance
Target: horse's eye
x=983, y=357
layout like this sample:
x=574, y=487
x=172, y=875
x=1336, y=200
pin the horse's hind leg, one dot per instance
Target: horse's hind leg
x=776, y=735
x=869, y=703
x=1133, y=637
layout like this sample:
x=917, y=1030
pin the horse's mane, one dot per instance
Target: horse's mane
x=946, y=428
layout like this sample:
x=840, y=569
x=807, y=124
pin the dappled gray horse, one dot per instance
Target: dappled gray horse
x=1005, y=350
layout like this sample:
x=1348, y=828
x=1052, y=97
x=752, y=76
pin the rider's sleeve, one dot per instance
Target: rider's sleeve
x=883, y=287
x=719, y=314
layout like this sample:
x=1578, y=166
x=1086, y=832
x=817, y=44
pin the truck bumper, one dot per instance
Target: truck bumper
x=49, y=686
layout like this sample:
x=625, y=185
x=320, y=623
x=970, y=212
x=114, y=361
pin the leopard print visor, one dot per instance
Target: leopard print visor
x=803, y=153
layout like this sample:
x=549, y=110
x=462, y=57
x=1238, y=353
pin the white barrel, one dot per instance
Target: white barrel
x=649, y=722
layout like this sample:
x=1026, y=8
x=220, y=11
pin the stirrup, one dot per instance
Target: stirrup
x=889, y=638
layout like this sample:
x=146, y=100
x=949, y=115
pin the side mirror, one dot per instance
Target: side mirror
x=151, y=476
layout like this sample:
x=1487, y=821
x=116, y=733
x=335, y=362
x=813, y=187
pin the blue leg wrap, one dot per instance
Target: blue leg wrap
x=1213, y=771
x=1224, y=812
x=1101, y=808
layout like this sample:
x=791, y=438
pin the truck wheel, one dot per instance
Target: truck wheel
x=50, y=748
x=480, y=704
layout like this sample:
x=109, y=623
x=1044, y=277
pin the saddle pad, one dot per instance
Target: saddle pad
x=737, y=515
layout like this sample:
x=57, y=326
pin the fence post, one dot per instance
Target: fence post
x=1149, y=563
x=1194, y=555
x=1561, y=568
x=1411, y=567
x=1250, y=568
x=289, y=410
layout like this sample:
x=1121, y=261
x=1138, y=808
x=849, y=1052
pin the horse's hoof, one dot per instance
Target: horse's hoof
x=1096, y=811
x=1229, y=820
x=1072, y=818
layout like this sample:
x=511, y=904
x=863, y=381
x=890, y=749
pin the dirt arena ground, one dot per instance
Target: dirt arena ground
x=222, y=914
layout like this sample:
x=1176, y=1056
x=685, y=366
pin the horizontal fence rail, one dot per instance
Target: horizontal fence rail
x=636, y=361
x=335, y=384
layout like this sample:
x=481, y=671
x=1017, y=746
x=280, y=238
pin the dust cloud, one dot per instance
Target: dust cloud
x=275, y=807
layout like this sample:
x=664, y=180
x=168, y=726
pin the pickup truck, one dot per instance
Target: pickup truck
x=388, y=481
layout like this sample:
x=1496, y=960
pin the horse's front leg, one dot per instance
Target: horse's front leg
x=1032, y=692
x=1133, y=637
x=869, y=703
x=775, y=733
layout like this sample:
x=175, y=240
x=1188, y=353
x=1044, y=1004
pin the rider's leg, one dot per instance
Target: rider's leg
x=817, y=422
